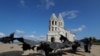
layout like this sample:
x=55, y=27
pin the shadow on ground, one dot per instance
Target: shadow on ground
x=11, y=53
x=77, y=53
x=19, y=53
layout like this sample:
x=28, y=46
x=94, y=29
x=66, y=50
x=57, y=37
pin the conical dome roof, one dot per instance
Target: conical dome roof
x=60, y=16
x=53, y=16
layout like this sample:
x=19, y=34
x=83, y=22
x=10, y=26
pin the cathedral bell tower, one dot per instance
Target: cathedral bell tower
x=53, y=23
x=54, y=27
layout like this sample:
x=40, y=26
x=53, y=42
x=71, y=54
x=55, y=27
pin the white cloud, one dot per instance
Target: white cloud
x=42, y=38
x=81, y=28
x=29, y=36
x=2, y=34
x=22, y=2
x=19, y=31
x=47, y=4
x=70, y=14
x=36, y=38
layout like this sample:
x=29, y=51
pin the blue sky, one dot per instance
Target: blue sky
x=30, y=18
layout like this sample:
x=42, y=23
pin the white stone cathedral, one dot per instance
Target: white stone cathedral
x=56, y=27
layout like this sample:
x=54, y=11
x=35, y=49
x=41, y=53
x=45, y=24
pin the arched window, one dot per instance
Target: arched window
x=52, y=22
x=52, y=39
x=52, y=28
x=55, y=28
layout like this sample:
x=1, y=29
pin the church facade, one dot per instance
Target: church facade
x=56, y=27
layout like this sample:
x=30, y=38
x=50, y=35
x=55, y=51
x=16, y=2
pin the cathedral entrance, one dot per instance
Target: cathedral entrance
x=52, y=39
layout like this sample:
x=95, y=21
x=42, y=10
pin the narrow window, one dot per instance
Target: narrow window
x=52, y=22
x=52, y=39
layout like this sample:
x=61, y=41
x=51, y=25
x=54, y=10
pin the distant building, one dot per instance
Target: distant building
x=56, y=27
